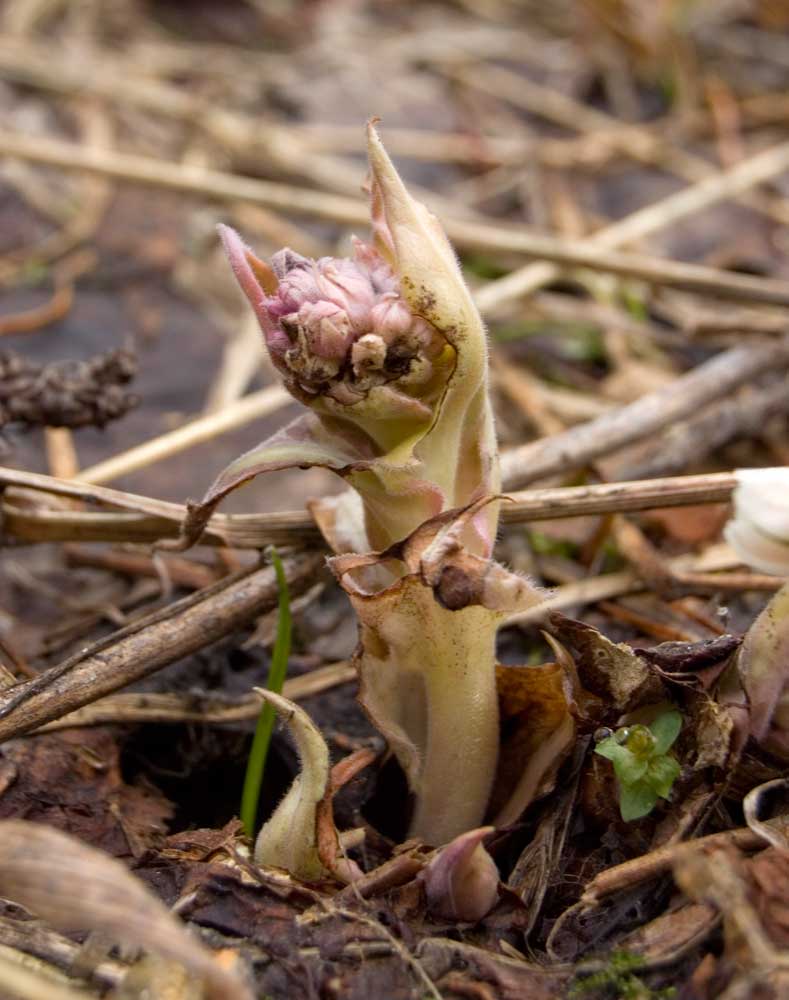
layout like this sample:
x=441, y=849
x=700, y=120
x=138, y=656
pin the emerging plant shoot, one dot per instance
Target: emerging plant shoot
x=388, y=353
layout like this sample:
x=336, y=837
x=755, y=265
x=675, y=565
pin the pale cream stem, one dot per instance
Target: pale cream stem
x=461, y=750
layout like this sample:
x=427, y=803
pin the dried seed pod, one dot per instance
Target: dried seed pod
x=75, y=887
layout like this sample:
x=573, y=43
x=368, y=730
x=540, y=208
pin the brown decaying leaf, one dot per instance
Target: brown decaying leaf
x=763, y=665
x=773, y=829
x=751, y=895
x=613, y=671
x=329, y=842
x=539, y=732
x=73, y=781
x=76, y=887
x=699, y=662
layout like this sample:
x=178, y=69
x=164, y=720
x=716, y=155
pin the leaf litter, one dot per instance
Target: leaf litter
x=681, y=125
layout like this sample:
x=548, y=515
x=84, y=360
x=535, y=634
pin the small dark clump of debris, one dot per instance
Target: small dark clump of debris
x=67, y=393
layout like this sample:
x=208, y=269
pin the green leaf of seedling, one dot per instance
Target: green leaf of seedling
x=636, y=800
x=665, y=729
x=627, y=767
x=256, y=764
x=661, y=774
x=634, y=303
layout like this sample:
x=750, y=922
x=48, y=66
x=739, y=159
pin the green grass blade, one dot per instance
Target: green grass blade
x=265, y=724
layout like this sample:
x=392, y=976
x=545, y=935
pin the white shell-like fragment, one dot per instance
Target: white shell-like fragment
x=759, y=530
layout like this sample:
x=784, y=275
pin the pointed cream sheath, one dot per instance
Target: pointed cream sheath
x=759, y=530
x=460, y=448
x=300, y=835
x=289, y=839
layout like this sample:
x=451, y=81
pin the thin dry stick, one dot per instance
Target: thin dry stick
x=179, y=571
x=31, y=938
x=248, y=531
x=608, y=585
x=62, y=458
x=36, y=481
x=638, y=141
x=252, y=407
x=607, y=498
x=658, y=862
x=648, y=220
x=744, y=415
x=104, y=77
x=589, y=254
x=712, y=560
x=162, y=518
x=151, y=519
x=184, y=177
x=581, y=445
x=147, y=646
x=579, y=593
x=203, y=708
x=213, y=183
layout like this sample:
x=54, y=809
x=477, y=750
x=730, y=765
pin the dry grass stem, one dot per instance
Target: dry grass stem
x=601, y=588
x=237, y=414
x=647, y=221
x=608, y=498
x=148, y=645
x=158, y=518
x=151, y=708
x=183, y=177
x=605, y=134
x=594, y=253
x=581, y=445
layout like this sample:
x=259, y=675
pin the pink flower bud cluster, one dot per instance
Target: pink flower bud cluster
x=334, y=326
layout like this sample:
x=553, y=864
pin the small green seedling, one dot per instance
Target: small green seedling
x=256, y=764
x=643, y=767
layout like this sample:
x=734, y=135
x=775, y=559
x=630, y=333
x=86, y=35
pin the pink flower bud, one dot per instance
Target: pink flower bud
x=326, y=327
x=381, y=274
x=348, y=286
x=368, y=355
x=335, y=328
x=462, y=880
x=391, y=318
